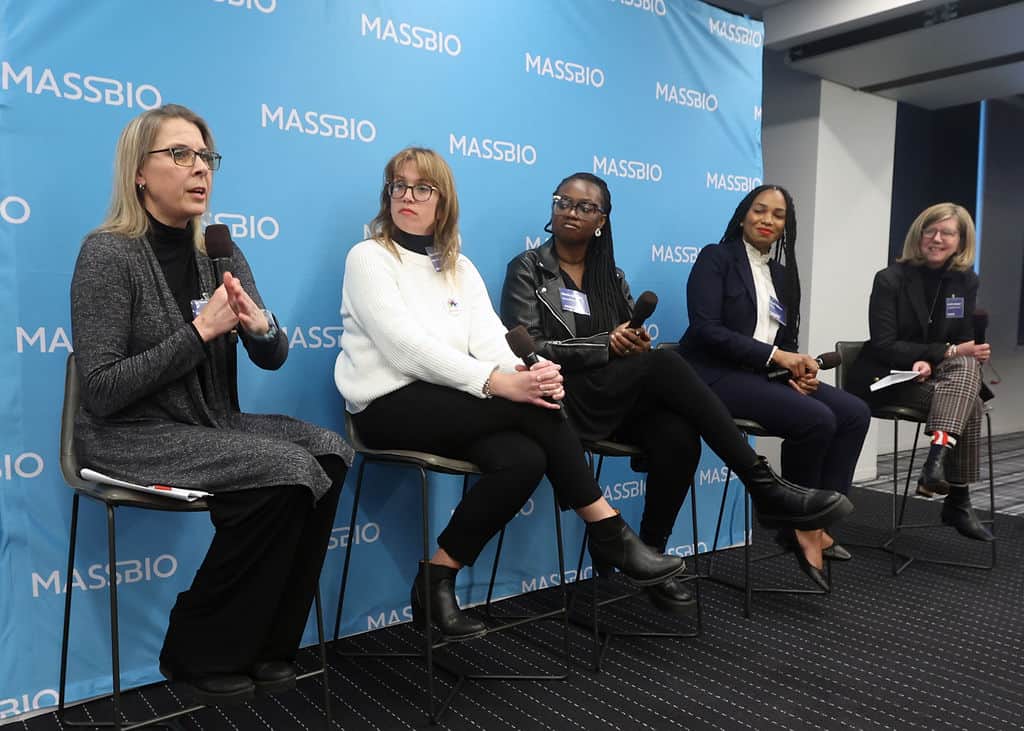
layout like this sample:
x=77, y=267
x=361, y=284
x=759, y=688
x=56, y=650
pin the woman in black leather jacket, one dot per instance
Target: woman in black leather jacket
x=576, y=304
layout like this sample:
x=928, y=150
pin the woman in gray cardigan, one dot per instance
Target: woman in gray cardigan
x=153, y=336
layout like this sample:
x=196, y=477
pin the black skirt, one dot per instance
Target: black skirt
x=598, y=400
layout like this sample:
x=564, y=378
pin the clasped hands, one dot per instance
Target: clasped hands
x=803, y=370
x=229, y=307
x=981, y=352
x=625, y=340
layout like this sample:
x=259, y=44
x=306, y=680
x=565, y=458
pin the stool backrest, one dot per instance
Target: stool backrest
x=849, y=351
x=353, y=435
x=69, y=465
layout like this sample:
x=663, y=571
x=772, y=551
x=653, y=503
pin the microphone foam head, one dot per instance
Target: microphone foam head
x=981, y=316
x=830, y=360
x=519, y=341
x=646, y=303
x=218, y=241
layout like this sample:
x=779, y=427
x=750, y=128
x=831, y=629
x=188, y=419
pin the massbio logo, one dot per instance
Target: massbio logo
x=488, y=149
x=561, y=70
x=97, y=576
x=57, y=340
x=413, y=36
x=685, y=97
x=24, y=703
x=264, y=6
x=74, y=86
x=14, y=209
x=249, y=227
x=730, y=182
x=629, y=169
x=26, y=465
x=317, y=123
x=738, y=34
x=651, y=6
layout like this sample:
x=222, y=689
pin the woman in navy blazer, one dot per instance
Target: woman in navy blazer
x=743, y=298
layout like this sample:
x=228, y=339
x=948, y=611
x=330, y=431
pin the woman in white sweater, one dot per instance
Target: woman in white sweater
x=425, y=366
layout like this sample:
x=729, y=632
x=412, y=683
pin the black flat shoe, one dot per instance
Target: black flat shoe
x=958, y=513
x=835, y=552
x=273, y=676
x=813, y=572
x=445, y=615
x=672, y=596
x=213, y=689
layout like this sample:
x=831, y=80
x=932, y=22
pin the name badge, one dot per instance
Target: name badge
x=776, y=311
x=575, y=301
x=955, y=308
x=435, y=258
x=198, y=305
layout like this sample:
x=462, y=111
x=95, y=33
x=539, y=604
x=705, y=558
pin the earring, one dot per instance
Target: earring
x=598, y=233
x=140, y=187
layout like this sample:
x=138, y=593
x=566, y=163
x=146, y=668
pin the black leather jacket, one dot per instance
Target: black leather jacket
x=530, y=297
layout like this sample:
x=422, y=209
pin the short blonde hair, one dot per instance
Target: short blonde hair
x=963, y=259
x=433, y=169
x=127, y=215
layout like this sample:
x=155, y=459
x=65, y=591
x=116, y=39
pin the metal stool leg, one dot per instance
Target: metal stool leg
x=115, y=646
x=348, y=548
x=65, y=636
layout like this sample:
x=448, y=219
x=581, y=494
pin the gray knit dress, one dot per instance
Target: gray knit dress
x=156, y=401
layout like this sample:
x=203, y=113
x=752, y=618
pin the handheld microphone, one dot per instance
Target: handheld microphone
x=522, y=345
x=825, y=361
x=980, y=325
x=643, y=308
x=219, y=248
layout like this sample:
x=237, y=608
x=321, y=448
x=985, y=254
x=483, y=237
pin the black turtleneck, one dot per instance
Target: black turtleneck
x=416, y=243
x=932, y=281
x=175, y=250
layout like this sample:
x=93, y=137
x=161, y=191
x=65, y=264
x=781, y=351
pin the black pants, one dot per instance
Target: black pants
x=674, y=410
x=251, y=595
x=513, y=444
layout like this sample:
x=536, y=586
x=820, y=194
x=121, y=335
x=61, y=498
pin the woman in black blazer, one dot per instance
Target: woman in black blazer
x=576, y=304
x=743, y=301
x=920, y=316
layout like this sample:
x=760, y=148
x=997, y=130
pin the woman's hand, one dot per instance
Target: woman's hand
x=798, y=364
x=250, y=316
x=924, y=368
x=541, y=381
x=980, y=352
x=217, y=317
x=625, y=340
x=805, y=385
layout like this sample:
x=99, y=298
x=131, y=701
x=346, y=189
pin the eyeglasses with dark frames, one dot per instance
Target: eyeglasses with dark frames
x=586, y=209
x=420, y=191
x=186, y=156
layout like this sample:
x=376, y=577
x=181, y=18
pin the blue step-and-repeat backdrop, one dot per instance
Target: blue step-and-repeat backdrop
x=307, y=100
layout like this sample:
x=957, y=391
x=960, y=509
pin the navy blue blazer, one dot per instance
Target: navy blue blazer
x=722, y=305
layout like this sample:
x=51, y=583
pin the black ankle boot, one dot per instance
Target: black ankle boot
x=957, y=512
x=782, y=504
x=613, y=544
x=933, y=475
x=671, y=595
x=445, y=615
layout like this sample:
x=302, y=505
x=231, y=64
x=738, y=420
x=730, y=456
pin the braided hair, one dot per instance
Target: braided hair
x=608, y=307
x=785, y=249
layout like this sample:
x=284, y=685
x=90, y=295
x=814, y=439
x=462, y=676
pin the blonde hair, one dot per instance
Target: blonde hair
x=963, y=259
x=127, y=216
x=433, y=169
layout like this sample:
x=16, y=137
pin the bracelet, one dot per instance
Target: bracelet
x=952, y=351
x=486, y=390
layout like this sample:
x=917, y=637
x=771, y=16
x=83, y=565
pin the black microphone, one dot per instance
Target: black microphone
x=522, y=345
x=825, y=361
x=219, y=248
x=980, y=325
x=643, y=308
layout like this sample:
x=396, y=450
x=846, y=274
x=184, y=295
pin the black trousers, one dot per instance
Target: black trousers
x=513, y=444
x=252, y=593
x=674, y=410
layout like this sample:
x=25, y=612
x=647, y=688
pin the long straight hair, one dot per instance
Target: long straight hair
x=608, y=307
x=127, y=215
x=433, y=169
x=785, y=248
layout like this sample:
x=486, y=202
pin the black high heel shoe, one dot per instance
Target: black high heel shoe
x=613, y=544
x=787, y=540
x=445, y=615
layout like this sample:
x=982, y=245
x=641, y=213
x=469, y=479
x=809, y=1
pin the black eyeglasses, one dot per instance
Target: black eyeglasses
x=564, y=204
x=420, y=191
x=186, y=156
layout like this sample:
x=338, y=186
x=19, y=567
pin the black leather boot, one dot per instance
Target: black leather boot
x=781, y=504
x=957, y=512
x=933, y=475
x=211, y=689
x=445, y=615
x=273, y=676
x=673, y=595
x=613, y=544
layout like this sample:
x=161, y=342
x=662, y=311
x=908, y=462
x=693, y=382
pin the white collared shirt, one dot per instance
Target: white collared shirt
x=764, y=289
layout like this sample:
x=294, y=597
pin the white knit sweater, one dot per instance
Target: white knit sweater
x=403, y=322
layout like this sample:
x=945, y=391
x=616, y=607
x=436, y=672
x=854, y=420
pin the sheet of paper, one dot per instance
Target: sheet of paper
x=893, y=378
x=177, y=493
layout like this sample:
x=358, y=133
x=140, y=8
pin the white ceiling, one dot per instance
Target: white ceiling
x=955, y=61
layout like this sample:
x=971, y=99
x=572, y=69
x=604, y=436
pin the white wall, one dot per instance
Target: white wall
x=832, y=147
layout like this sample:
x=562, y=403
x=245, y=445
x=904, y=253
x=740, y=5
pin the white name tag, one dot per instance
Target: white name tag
x=574, y=301
x=776, y=311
